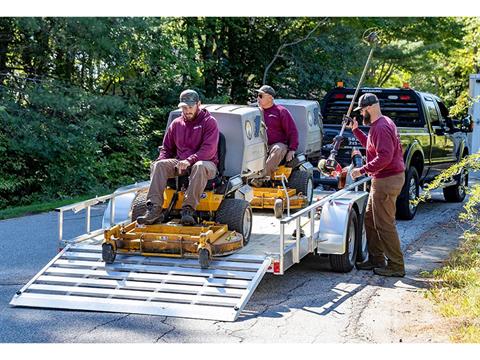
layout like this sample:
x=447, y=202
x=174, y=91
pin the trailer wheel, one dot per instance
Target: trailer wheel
x=362, y=249
x=457, y=193
x=302, y=181
x=139, y=205
x=345, y=262
x=411, y=189
x=204, y=258
x=237, y=215
x=108, y=254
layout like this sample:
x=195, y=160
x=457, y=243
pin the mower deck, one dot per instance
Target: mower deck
x=173, y=239
x=265, y=198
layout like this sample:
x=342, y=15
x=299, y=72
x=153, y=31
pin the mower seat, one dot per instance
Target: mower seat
x=212, y=184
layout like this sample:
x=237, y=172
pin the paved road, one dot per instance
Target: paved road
x=308, y=304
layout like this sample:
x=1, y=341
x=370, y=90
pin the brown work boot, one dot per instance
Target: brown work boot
x=187, y=216
x=389, y=271
x=153, y=215
x=370, y=265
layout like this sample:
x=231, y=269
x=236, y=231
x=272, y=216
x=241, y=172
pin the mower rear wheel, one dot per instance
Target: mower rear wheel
x=139, y=205
x=237, y=215
x=302, y=181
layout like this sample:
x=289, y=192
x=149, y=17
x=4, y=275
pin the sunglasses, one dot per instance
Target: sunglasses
x=260, y=96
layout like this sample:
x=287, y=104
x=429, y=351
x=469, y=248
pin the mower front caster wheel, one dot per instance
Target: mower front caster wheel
x=108, y=254
x=278, y=208
x=204, y=258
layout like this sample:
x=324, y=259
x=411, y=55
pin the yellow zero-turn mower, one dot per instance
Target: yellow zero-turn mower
x=291, y=187
x=223, y=216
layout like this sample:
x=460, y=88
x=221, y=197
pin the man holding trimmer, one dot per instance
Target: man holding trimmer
x=386, y=167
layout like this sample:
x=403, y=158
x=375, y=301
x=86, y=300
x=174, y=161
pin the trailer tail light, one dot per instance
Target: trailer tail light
x=404, y=97
x=339, y=96
x=276, y=266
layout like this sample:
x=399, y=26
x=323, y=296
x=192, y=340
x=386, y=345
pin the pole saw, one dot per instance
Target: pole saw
x=330, y=164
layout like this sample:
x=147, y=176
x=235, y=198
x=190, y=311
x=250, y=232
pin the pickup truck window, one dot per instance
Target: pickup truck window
x=433, y=114
x=401, y=107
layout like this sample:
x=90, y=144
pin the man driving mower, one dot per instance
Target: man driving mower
x=282, y=133
x=190, y=144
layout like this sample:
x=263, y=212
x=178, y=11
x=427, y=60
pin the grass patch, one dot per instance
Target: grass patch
x=37, y=208
x=456, y=289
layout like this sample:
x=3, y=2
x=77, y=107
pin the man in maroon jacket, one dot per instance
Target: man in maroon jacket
x=282, y=132
x=386, y=167
x=191, y=141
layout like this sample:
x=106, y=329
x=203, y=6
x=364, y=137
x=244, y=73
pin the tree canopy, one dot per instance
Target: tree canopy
x=84, y=101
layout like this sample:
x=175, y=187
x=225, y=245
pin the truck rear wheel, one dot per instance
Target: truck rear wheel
x=410, y=191
x=302, y=181
x=457, y=193
x=346, y=261
x=237, y=215
x=139, y=205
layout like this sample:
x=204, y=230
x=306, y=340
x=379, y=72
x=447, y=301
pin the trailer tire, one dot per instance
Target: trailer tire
x=302, y=182
x=237, y=215
x=457, y=193
x=410, y=191
x=362, y=249
x=139, y=205
x=346, y=261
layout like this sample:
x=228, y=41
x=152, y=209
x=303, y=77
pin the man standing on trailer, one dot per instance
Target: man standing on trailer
x=386, y=167
x=191, y=142
x=282, y=131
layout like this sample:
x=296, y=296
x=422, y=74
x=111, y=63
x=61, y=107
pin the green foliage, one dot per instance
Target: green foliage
x=471, y=214
x=84, y=101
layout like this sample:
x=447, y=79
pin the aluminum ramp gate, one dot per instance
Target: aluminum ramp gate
x=78, y=279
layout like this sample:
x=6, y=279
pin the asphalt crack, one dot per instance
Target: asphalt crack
x=101, y=325
x=173, y=327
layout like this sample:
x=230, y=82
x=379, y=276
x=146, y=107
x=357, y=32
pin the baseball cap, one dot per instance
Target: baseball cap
x=188, y=98
x=267, y=90
x=365, y=100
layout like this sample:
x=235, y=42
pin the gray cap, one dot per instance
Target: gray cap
x=266, y=90
x=365, y=100
x=188, y=98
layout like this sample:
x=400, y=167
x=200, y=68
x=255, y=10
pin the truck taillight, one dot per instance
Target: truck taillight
x=339, y=83
x=339, y=96
x=404, y=97
x=406, y=85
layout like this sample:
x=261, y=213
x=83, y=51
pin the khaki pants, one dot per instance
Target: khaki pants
x=276, y=153
x=162, y=170
x=381, y=231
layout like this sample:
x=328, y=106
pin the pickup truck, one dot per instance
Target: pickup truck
x=431, y=140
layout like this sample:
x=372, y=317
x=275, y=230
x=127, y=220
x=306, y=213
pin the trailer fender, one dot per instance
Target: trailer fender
x=123, y=205
x=332, y=232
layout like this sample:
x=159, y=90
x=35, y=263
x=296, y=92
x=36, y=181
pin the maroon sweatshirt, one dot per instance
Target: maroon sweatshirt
x=194, y=140
x=383, y=149
x=280, y=127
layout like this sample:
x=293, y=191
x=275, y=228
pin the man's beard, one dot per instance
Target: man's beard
x=367, y=119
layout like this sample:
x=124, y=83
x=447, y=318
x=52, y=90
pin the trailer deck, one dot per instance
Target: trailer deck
x=78, y=279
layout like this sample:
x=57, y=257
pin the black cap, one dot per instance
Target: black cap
x=366, y=100
x=188, y=98
x=266, y=89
